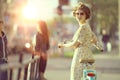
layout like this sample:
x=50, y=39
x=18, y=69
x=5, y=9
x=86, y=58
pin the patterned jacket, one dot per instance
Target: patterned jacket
x=3, y=46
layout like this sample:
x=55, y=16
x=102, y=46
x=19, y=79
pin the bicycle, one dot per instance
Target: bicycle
x=88, y=74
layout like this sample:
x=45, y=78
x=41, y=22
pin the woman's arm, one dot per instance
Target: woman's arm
x=37, y=43
x=74, y=42
x=96, y=43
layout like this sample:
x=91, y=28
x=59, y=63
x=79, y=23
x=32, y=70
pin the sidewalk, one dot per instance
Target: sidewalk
x=64, y=75
x=107, y=63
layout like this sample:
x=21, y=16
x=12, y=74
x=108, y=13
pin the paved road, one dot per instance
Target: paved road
x=59, y=68
x=64, y=75
x=107, y=68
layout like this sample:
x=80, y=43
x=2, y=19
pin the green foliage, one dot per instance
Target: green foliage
x=69, y=54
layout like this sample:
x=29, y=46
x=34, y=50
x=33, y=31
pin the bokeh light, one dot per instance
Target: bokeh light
x=30, y=12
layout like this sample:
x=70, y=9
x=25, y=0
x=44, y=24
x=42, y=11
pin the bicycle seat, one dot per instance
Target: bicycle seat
x=86, y=60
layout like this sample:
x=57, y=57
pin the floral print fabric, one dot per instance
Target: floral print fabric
x=84, y=35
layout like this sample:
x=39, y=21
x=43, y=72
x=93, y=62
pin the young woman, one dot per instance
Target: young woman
x=82, y=40
x=41, y=47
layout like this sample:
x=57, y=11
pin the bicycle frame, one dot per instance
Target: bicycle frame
x=88, y=74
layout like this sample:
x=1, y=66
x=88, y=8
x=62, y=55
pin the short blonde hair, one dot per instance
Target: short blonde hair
x=83, y=7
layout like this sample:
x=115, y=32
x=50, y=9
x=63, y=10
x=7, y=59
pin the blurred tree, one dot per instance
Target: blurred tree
x=104, y=14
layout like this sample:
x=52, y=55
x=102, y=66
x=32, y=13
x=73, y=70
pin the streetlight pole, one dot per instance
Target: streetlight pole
x=119, y=23
x=0, y=9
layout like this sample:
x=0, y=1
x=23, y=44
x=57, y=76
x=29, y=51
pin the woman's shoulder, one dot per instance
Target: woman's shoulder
x=38, y=34
x=86, y=25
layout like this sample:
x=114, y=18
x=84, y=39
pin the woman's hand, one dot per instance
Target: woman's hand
x=101, y=50
x=93, y=40
x=60, y=45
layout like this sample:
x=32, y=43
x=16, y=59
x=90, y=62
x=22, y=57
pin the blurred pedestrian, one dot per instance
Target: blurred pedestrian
x=3, y=51
x=106, y=40
x=82, y=40
x=41, y=47
x=59, y=29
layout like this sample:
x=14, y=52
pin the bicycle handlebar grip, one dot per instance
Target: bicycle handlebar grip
x=59, y=46
x=101, y=50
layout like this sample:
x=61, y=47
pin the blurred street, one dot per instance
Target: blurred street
x=58, y=68
x=21, y=18
x=107, y=68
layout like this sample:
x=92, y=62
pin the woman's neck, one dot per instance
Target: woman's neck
x=82, y=22
x=40, y=32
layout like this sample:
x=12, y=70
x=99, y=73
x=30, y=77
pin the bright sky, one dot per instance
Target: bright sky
x=40, y=9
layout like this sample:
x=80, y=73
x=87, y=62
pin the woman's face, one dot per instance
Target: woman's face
x=80, y=15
